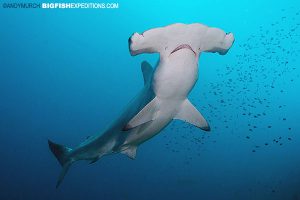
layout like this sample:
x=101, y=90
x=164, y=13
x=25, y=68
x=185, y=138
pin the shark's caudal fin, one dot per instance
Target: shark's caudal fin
x=62, y=155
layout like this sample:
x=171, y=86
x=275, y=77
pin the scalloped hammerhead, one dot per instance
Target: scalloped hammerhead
x=163, y=97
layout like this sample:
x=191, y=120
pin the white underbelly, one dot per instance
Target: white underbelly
x=176, y=75
x=172, y=81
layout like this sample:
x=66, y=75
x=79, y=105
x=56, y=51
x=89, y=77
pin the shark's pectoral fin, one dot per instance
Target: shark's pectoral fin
x=190, y=114
x=130, y=152
x=147, y=71
x=148, y=113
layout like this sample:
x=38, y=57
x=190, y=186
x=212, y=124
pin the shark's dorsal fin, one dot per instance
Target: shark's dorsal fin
x=130, y=152
x=147, y=71
x=148, y=113
x=190, y=114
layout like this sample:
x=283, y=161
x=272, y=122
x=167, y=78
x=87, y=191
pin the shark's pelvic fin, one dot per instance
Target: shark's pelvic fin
x=148, y=113
x=130, y=152
x=62, y=155
x=96, y=159
x=190, y=114
x=147, y=71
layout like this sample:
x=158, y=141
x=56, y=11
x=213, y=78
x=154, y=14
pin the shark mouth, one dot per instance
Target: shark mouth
x=183, y=46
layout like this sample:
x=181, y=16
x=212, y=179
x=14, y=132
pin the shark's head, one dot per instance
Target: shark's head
x=170, y=39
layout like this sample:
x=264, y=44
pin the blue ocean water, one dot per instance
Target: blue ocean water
x=67, y=74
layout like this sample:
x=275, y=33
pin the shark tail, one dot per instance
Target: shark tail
x=62, y=154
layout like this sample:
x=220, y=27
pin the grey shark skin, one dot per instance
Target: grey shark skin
x=163, y=97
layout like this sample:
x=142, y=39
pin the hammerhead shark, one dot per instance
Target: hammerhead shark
x=163, y=97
